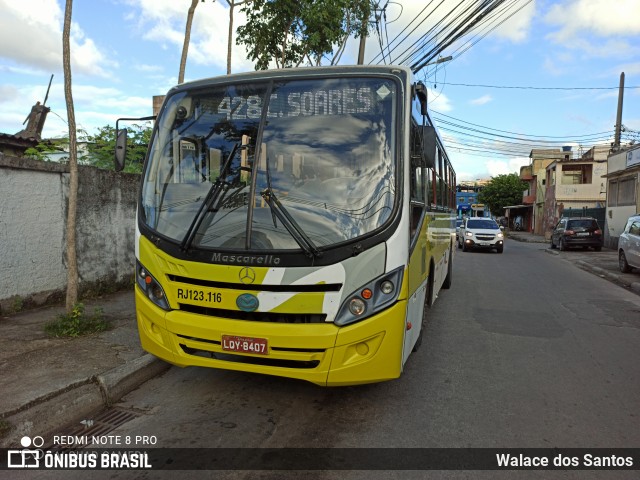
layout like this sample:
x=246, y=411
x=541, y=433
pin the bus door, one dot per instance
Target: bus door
x=417, y=269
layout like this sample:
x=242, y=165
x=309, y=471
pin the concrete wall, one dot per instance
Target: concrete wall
x=33, y=211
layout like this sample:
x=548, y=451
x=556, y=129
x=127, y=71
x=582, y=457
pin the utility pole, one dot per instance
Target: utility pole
x=363, y=39
x=616, y=141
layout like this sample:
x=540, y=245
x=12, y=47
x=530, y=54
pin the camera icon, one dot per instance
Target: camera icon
x=26, y=457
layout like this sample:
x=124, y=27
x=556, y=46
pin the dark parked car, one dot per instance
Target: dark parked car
x=577, y=232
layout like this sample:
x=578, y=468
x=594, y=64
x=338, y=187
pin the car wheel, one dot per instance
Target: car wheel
x=563, y=246
x=499, y=249
x=553, y=245
x=597, y=249
x=464, y=247
x=622, y=262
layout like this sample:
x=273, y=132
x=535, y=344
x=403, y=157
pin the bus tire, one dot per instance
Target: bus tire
x=425, y=309
x=429, y=300
x=416, y=346
x=449, y=278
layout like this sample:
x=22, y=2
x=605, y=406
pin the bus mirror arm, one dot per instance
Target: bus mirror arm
x=421, y=92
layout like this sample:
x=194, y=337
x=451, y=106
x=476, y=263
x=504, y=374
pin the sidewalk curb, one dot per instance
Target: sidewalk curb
x=78, y=401
x=116, y=383
x=613, y=277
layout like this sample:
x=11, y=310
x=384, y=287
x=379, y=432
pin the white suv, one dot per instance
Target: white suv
x=479, y=232
x=629, y=245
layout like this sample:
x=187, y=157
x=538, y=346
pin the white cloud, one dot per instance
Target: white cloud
x=482, y=100
x=438, y=101
x=516, y=28
x=505, y=167
x=408, y=21
x=164, y=21
x=31, y=36
x=7, y=92
x=604, y=18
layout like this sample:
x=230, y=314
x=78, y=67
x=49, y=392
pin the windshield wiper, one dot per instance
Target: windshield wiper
x=213, y=197
x=289, y=223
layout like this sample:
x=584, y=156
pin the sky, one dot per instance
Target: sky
x=547, y=76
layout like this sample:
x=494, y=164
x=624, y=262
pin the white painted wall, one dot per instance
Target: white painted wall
x=33, y=198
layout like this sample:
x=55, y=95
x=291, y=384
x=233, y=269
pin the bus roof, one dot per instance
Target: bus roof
x=288, y=73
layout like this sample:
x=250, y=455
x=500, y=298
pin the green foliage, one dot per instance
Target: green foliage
x=99, y=149
x=502, y=191
x=77, y=323
x=18, y=304
x=290, y=32
x=43, y=149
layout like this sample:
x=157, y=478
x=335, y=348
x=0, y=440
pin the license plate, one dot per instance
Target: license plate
x=233, y=343
x=583, y=234
x=484, y=244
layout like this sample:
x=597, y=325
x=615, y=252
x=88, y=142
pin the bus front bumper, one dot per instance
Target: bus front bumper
x=365, y=352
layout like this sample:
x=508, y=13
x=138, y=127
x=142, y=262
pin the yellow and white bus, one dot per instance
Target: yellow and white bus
x=294, y=222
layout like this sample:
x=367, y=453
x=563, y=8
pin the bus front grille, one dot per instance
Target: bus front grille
x=269, y=317
x=198, y=349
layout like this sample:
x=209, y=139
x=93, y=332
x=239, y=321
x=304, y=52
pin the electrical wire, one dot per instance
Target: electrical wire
x=538, y=88
x=440, y=114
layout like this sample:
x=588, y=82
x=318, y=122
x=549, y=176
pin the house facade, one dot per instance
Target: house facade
x=532, y=208
x=623, y=193
x=574, y=183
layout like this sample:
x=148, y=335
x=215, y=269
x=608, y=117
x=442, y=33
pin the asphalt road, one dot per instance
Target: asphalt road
x=525, y=350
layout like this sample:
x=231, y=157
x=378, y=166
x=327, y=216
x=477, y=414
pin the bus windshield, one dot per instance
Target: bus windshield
x=285, y=165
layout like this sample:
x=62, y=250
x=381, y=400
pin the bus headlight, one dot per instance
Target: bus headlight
x=150, y=286
x=357, y=306
x=370, y=298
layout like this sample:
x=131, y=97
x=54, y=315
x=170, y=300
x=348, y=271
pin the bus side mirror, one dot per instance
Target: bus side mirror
x=421, y=92
x=121, y=149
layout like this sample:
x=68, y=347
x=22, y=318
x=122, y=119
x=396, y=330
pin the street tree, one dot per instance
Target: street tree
x=232, y=5
x=187, y=38
x=501, y=191
x=292, y=32
x=72, y=262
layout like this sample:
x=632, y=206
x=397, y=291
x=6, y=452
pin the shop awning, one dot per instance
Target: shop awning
x=513, y=207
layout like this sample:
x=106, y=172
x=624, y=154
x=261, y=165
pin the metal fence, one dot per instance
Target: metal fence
x=597, y=213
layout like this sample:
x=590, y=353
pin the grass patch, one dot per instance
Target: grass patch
x=77, y=323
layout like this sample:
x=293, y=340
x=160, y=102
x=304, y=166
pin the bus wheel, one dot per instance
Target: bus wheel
x=447, y=281
x=425, y=309
x=429, y=300
x=416, y=346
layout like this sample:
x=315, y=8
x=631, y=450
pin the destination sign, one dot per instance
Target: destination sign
x=331, y=101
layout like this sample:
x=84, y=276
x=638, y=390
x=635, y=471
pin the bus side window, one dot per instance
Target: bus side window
x=417, y=181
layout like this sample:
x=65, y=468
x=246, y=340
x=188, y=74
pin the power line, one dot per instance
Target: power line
x=597, y=134
x=536, y=88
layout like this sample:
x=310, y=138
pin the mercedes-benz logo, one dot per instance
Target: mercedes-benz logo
x=247, y=275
